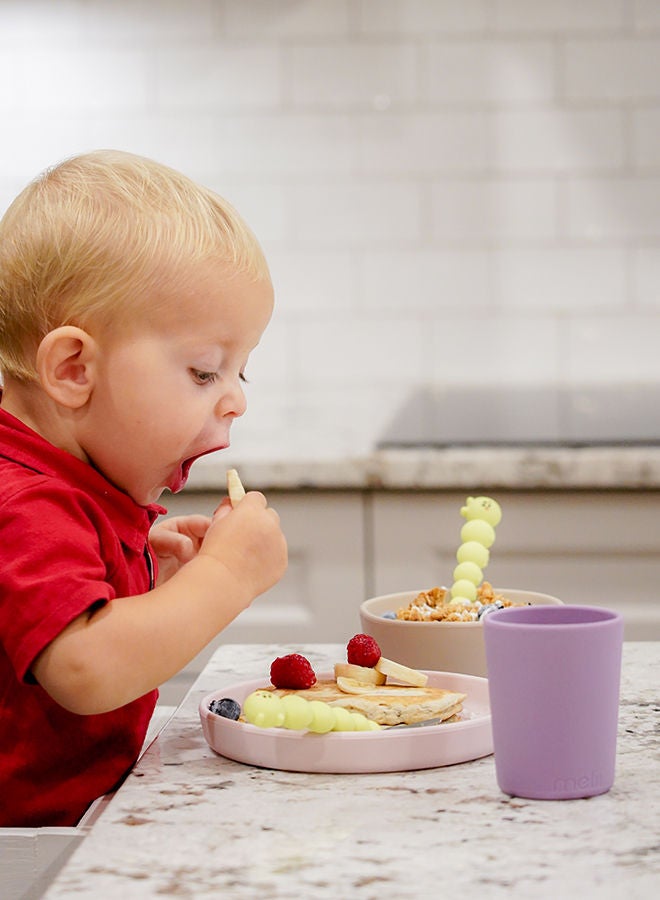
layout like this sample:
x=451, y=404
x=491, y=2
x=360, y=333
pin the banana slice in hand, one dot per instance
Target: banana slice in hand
x=402, y=673
x=363, y=674
x=235, y=489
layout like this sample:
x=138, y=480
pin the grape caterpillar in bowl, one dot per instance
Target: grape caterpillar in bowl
x=483, y=514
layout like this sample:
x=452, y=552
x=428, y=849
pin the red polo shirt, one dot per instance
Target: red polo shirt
x=68, y=540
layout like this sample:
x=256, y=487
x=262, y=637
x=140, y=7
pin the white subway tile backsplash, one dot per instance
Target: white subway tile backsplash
x=316, y=422
x=623, y=208
x=61, y=21
x=486, y=72
x=496, y=211
x=9, y=76
x=645, y=126
x=557, y=140
x=265, y=18
x=31, y=146
x=646, y=274
x=646, y=14
x=422, y=17
x=360, y=214
x=143, y=21
x=571, y=280
x=345, y=352
x=313, y=281
x=613, y=349
x=218, y=75
x=202, y=145
x=353, y=75
x=270, y=145
x=433, y=182
x=9, y=188
x=254, y=147
x=267, y=429
x=96, y=81
x=336, y=421
x=513, y=349
x=272, y=363
x=426, y=282
x=559, y=16
x=423, y=143
x=264, y=207
x=614, y=70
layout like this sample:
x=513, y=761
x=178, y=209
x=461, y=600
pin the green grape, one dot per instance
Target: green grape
x=298, y=713
x=477, y=535
x=364, y=724
x=473, y=552
x=479, y=531
x=460, y=601
x=464, y=589
x=482, y=508
x=323, y=717
x=343, y=720
x=468, y=571
x=264, y=709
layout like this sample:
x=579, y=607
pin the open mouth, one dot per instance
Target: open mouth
x=181, y=476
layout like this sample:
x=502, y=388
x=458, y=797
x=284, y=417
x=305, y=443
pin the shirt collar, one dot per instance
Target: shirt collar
x=25, y=446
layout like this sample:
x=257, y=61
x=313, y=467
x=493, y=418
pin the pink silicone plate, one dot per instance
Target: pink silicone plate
x=388, y=750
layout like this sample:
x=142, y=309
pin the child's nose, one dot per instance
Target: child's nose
x=232, y=402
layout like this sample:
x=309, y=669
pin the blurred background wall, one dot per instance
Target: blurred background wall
x=449, y=193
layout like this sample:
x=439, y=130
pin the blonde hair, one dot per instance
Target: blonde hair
x=84, y=242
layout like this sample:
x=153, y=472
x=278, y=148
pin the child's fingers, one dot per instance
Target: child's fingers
x=223, y=508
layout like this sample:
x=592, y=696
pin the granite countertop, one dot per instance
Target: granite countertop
x=189, y=823
x=515, y=468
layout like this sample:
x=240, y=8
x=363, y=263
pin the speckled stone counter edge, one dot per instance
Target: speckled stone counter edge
x=513, y=468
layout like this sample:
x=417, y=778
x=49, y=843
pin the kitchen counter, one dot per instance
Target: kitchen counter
x=189, y=823
x=487, y=467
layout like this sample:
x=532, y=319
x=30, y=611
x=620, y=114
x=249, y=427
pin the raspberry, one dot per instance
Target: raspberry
x=362, y=650
x=292, y=671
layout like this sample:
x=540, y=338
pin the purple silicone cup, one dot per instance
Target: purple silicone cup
x=553, y=677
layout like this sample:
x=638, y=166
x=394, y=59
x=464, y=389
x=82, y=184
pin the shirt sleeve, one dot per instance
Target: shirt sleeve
x=52, y=567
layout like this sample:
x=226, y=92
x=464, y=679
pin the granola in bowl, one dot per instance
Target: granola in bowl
x=434, y=606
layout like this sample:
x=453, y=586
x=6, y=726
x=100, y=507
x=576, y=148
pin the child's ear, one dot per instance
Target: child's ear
x=66, y=364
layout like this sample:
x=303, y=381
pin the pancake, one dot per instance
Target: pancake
x=387, y=704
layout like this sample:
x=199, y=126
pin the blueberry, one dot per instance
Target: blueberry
x=389, y=615
x=488, y=608
x=227, y=708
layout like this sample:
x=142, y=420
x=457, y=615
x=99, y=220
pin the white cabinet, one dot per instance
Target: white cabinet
x=594, y=548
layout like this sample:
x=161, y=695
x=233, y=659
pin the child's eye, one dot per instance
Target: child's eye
x=200, y=377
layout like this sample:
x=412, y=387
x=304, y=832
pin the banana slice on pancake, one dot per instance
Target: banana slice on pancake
x=363, y=674
x=400, y=672
x=351, y=686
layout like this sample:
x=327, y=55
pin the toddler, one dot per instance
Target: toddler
x=130, y=301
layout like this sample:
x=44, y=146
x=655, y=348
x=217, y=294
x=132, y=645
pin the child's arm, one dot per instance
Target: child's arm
x=108, y=657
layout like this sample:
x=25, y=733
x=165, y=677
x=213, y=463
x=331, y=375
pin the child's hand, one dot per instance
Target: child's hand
x=176, y=541
x=249, y=542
